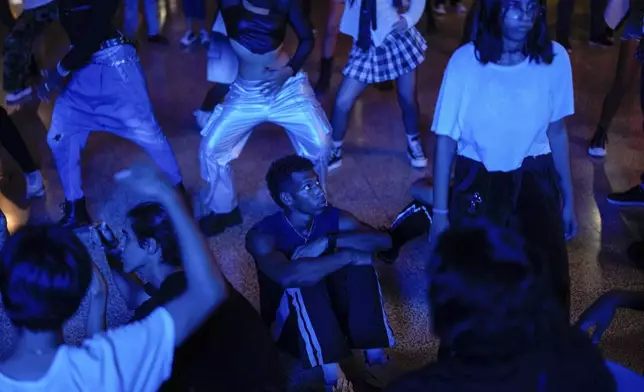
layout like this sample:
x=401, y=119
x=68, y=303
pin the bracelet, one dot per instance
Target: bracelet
x=62, y=71
x=440, y=211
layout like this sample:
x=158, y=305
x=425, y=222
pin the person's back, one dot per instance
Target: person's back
x=500, y=331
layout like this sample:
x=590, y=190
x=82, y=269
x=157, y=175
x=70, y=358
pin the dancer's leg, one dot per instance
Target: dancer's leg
x=18, y=46
x=329, y=43
x=305, y=122
x=224, y=137
x=350, y=90
x=408, y=101
x=626, y=70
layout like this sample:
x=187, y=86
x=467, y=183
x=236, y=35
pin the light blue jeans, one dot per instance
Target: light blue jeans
x=131, y=17
x=109, y=94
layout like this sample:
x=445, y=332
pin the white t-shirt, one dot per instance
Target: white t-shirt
x=498, y=114
x=134, y=358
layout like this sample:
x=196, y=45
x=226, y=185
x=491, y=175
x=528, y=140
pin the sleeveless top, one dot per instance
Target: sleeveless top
x=286, y=241
x=261, y=34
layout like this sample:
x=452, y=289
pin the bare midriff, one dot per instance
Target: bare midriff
x=253, y=66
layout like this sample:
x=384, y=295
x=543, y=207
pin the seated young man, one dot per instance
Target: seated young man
x=45, y=272
x=499, y=330
x=318, y=289
x=231, y=345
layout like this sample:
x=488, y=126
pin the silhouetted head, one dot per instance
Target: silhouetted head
x=294, y=185
x=149, y=239
x=45, y=272
x=482, y=288
x=520, y=21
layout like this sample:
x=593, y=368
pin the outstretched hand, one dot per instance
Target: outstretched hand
x=146, y=180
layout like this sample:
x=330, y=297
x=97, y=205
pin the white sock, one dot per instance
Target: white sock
x=376, y=356
x=332, y=373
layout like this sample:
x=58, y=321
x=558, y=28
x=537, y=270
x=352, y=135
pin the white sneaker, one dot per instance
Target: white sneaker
x=460, y=8
x=440, y=9
x=188, y=39
x=416, y=154
x=35, y=186
x=202, y=117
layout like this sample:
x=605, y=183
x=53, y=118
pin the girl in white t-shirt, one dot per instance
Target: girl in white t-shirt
x=500, y=116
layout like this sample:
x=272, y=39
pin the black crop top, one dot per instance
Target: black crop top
x=264, y=33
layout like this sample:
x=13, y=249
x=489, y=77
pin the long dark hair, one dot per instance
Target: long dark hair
x=488, y=39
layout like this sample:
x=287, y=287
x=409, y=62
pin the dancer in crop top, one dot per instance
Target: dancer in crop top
x=269, y=88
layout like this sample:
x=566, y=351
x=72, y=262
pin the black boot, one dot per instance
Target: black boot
x=213, y=224
x=75, y=214
x=324, y=81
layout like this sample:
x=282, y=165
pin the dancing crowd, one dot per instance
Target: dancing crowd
x=497, y=212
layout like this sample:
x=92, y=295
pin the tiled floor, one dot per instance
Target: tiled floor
x=374, y=181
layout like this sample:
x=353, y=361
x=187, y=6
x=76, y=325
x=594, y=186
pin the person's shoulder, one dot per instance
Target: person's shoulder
x=464, y=54
x=560, y=54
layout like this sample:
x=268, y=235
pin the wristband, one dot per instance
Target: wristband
x=440, y=211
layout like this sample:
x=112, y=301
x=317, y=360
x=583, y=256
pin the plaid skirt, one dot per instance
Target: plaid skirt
x=401, y=53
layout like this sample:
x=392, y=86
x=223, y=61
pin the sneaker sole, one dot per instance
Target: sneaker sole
x=334, y=165
x=596, y=152
x=417, y=163
x=626, y=203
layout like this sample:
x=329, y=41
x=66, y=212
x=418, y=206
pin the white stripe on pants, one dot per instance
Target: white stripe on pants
x=294, y=107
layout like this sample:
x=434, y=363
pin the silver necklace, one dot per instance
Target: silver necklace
x=304, y=237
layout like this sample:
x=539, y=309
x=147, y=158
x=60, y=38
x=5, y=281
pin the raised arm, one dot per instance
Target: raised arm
x=100, y=23
x=304, y=30
x=302, y=272
x=206, y=287
x=360, y=236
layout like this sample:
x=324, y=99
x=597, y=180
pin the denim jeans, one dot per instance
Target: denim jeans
x=109, y=94
x=131, y=17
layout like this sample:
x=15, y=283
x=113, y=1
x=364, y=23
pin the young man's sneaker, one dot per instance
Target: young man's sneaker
x=335, y=158
x=416, y=154
x=35, y=186
x=632, y=197
x=460, y=8
x=188, y=39
x=440, y=9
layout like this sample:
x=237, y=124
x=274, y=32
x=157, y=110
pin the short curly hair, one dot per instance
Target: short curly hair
x=281, y=172
x=150, y=220
x=45, y=271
